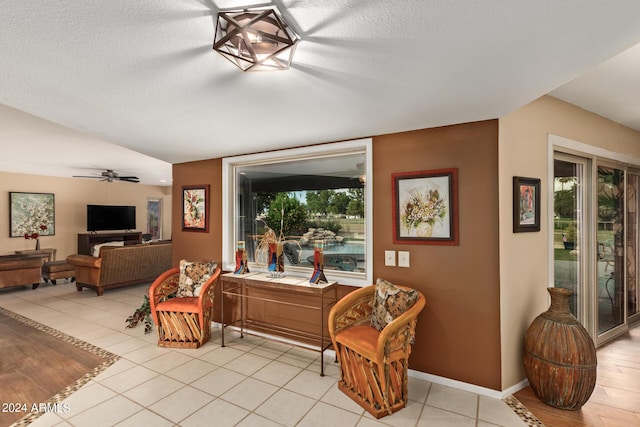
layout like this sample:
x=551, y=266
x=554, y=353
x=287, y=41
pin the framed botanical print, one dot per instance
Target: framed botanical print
x=526, y=204
x=425, y=207
x=195, y=208
x=31, y=214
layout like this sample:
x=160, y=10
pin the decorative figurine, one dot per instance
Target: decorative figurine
x=318, y=263
x=241, y=259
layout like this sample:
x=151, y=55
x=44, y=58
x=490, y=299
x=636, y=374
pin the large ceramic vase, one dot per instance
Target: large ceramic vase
x=559, y=355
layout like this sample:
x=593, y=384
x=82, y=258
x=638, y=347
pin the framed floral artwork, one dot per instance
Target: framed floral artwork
x=195, y=208
x=526, y=204
x=425, y=209
x=31, y=214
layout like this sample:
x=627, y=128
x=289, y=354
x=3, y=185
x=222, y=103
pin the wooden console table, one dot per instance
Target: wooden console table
x=87, y=240
x=48, y=254
x=322, y=297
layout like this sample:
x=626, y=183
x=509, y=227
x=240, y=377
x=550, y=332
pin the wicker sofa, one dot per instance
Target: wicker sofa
x=20, y=270
x=121, y=266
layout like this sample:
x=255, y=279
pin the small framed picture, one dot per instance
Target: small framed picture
x=425, y=209
x=195, y=208
x=526, y=204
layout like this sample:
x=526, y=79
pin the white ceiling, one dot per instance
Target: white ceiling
x=139, y=79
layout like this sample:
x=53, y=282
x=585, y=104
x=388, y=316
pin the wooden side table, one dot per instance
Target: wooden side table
x=49, y=254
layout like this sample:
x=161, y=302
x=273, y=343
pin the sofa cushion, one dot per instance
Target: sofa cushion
x=192, y=276
x=96, y=248
x=390, y=302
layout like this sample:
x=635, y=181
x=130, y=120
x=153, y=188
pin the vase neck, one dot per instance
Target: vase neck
x=559, y=300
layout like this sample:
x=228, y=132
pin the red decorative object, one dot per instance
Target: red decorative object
x=276, y=257
x=559, y=355
x=242, y=266
x=318, y=263
x=35, y=236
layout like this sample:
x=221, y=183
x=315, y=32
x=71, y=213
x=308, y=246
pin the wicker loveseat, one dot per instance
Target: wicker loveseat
x=121, y=266
x=20, y=270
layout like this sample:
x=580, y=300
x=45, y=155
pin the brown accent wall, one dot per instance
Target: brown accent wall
x=458, y=333
x=193, y=245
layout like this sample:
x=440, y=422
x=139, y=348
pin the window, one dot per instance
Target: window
x=304, y=195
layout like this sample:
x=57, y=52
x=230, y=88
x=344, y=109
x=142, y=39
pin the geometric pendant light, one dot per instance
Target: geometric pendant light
x=255, y=39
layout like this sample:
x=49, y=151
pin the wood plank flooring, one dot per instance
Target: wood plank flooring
x=616, y=398
x=35, y=366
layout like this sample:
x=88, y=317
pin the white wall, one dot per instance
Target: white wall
x=523, y=151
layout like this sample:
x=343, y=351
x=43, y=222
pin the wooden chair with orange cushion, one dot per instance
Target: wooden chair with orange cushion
x=181, y=302
x=372, y=330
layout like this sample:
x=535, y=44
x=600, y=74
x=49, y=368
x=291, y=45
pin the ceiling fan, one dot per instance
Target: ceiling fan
x=109, y=175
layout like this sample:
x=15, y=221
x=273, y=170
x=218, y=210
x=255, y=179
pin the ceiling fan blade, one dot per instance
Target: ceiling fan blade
x=109, y=175
x=129, y=178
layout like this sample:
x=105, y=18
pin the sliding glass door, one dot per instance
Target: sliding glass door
x=632, y=261
x=568, y=237
x=596, y=240
x=610, y=232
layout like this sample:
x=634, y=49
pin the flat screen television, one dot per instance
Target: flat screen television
x=108, y=217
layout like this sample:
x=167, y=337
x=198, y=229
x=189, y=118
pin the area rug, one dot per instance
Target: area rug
x=40, y=367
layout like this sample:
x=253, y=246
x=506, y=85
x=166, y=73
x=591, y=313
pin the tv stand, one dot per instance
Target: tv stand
x=86, y=241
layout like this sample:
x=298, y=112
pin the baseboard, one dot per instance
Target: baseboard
x=515, y=388
x=460, y=385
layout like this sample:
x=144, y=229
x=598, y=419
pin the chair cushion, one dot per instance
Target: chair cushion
x=363, y=339
x=192, y=276
x=180, y=305
x=390, y=302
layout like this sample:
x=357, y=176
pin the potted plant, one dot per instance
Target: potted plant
x=569, y=236
x=142, y=314
x=287, y=213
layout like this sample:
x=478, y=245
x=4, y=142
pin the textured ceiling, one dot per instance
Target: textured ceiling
x=142, y=75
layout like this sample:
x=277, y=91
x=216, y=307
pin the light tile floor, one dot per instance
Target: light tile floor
x=251, y=382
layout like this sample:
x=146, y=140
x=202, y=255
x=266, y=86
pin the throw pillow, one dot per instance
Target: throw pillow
x=192, y=276
x=390, y=302
x=96, y=248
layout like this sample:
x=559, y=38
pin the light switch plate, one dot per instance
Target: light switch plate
x=390, y=258
x=403, y=258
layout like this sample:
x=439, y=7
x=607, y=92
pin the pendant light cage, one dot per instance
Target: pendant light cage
x=255, y=39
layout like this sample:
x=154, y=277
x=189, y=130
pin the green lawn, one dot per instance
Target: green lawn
x=564, y=255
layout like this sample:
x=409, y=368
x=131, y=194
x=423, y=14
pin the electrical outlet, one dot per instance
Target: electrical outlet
x=390, y=258
x=403, y=258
